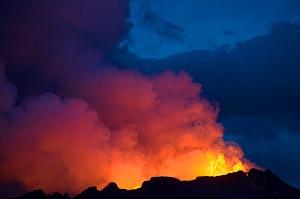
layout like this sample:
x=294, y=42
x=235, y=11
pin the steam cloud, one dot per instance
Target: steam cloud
x=122, y=124
x=100, y=123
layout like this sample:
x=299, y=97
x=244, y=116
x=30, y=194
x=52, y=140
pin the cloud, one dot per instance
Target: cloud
x=257, y=77
x=257, y=86
x=163, y=28
x=261, y=138
x=7, y=91
x=75, y=107
x=204, y=23
x=47, y=41
x=120, y=123
x=47, y=141
x=59, y=57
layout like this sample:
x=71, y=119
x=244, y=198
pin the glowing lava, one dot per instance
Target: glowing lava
x=137, y=187
x=217, y=165
x=187, y=166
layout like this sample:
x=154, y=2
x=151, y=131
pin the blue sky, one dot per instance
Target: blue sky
x=162, y=28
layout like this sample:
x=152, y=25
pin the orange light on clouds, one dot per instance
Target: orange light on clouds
x=126, y=129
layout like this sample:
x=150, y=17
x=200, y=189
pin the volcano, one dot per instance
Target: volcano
x=253, y=184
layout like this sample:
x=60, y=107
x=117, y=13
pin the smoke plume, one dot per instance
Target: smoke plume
x=80, y=121
x=122, y=127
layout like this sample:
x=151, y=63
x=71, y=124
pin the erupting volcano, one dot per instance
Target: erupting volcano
x=79, y=109
x=128, y=128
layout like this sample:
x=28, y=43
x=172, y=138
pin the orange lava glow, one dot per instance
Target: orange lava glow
x=219, y=166
x=123, y=127
x=187, y=166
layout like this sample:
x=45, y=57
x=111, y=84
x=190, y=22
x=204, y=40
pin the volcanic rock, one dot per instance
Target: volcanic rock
x=254, y=184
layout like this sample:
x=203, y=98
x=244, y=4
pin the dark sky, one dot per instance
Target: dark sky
x=77, y=59
x=246, y=55
x=257, y=85
x=162, y=28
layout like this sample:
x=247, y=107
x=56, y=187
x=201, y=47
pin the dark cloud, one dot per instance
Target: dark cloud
x=272, y=145
x=258, y=87
x=204, y=23
x=163, y=28
x=45, y=41
x=258, y=77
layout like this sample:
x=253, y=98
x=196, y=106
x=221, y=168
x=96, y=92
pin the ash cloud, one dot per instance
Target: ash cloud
x=80, y=121
x=121, y=124
x=43, y=42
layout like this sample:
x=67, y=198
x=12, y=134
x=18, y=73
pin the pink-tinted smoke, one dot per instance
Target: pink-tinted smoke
x=122, y=126
x=100, y=123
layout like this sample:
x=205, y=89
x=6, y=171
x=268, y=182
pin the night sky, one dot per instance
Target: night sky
x=131, y=76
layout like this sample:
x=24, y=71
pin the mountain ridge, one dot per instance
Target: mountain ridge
x=253, y=184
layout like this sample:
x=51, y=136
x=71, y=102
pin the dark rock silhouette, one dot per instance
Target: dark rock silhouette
x=254, y=184
x=39, y=194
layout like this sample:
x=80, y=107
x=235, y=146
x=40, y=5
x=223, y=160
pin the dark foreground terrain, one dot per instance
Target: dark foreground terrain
x=255, y=184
